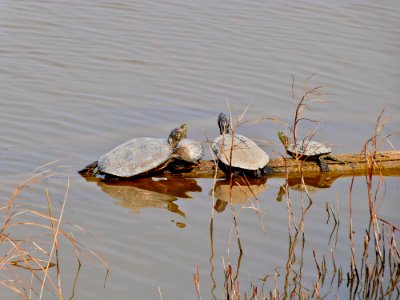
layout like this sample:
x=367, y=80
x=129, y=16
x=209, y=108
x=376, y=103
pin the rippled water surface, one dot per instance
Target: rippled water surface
x=78, y=78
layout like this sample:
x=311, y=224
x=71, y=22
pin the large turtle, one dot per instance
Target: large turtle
x=138, y=156
x=308, y=150
x=239, y=154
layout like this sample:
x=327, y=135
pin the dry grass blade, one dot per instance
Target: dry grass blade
x=26, y=260
x=55, y=247
x=369, y=279
x=196, y=279
x=309, y=96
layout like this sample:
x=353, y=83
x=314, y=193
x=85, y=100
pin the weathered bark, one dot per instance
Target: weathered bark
x=385, y=163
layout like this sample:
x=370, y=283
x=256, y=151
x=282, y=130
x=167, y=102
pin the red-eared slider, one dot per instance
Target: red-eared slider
x=189, y=150
x=308, y=150
x=138, y=156
x=237, y=153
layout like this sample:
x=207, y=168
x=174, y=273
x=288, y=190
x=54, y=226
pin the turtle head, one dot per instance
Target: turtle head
x=283, y=138
x=223, y=124
x=177, y=135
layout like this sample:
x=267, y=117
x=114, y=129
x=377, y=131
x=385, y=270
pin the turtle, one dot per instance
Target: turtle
x=139, y=156
x=309, y=150
x=238, y=153
x=187, y=155
x=189, y=151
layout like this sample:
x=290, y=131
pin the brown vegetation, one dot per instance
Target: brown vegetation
x=30, y=243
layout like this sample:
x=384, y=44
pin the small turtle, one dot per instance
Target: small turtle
x=189, y=151
x=138, y=156
x=308, y=150
x=238, y=153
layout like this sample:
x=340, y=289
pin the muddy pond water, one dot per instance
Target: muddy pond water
x=78, y=78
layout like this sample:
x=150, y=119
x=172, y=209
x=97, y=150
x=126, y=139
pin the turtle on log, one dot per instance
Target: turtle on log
x=139, y=156
x=239, y=154
x=308, y=150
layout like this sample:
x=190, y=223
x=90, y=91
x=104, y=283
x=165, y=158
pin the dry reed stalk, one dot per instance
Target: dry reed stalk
x=55, y=231
x=196, y=279
x=336, y=224
x=233, y=129
x=159, y=292
x=369, y=280
x=353, y=267
x=308, y=97
x=31, y=254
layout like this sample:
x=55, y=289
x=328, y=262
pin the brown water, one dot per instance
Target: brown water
x=78, y=78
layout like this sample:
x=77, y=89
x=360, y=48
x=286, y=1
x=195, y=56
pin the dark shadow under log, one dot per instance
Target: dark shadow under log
x=385, y=163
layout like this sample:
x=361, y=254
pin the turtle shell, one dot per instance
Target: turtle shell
x=189, y=150
x=134, y=157
x=308, y=148
x=246, y=154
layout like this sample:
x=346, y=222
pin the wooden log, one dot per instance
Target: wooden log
x=385, y=163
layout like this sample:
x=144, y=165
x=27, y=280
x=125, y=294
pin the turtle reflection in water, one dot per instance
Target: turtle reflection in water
x=308, y=184
x=149, y=193
x=139, y=156
x=242, y=191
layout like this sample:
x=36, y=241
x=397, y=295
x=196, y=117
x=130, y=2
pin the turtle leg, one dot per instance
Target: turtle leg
x=322, y=163
x=267, y=170
x=237, y=173
x=259, y=173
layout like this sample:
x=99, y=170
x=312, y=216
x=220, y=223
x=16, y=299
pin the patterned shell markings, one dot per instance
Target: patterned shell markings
x=136, y=156
x=246, y=154
x=309, y=148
